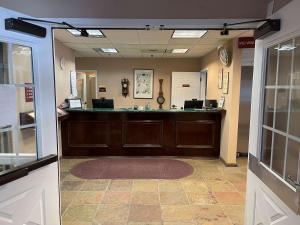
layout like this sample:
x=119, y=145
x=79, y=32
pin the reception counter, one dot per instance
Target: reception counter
x=125, y=132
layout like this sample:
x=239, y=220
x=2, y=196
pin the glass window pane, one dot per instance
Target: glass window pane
x=25, y=106
x=27, y=140
x=17, y=129
x=278, y=153
x=271, y=66
x=292, y=159
x=269, y=107
x=3, y=64
x=282, y=106
x=266, y=146
x=296, y=74
x=6, y=145
x=295, y=113
x=285, y=62
x=22, y=65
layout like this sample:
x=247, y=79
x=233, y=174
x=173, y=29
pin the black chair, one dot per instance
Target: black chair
x=193, y=104
x=103, y=103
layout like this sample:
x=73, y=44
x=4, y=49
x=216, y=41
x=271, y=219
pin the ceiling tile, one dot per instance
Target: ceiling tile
x=131, y=55
x=144, y=43
x=183, y=41
x=122, y=36
x=155, y=36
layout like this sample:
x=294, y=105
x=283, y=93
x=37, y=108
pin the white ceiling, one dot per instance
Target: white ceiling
x=144, y=43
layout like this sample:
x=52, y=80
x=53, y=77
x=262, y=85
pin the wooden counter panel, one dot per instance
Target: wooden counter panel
x=141, y=134
x=195, y=134
x=89, y=133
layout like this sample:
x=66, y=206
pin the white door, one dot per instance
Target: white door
x=274, y=142
x=185, y=86
x=28, y=128
x=203, y=84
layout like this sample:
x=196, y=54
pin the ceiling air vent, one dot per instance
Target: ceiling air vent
x=98, y=50
x=153, y=51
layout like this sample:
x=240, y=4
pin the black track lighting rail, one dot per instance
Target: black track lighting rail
x=270, y=25
x=82, y=31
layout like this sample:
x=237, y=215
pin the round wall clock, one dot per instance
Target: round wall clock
x=62, y=63
x=160, y=99
x=223, y=56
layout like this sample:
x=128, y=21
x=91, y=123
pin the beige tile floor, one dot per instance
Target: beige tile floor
x=212, y=195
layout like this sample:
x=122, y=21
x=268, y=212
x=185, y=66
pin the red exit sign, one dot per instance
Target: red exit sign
x=246, y=42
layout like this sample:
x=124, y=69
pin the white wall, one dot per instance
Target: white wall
x=230, y=120
x=62, y=76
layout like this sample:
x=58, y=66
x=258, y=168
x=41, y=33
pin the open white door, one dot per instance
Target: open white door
x=185, y=86
x=29, y=187
x=273, y=195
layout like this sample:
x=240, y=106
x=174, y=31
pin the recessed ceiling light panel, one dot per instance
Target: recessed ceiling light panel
x=179, y=50
x=95, y=33
x=109, y=50
x=74, y=32
x=188, y=33
x=91, y=33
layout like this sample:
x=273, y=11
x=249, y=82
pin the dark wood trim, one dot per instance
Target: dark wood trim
x=290, y=197
x=145, y=144
x=195, y=146
x=141, y=133
x=18, y=172
x=141, y=146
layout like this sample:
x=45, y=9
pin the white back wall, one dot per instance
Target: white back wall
x=62, y=76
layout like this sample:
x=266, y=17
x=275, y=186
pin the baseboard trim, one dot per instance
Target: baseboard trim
x=242, y=154
x=228, y=164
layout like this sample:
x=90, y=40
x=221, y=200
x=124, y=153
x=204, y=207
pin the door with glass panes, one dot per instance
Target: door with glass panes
x=29, y=190
x=273, y=181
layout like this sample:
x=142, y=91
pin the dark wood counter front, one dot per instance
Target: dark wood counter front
x=141, y=133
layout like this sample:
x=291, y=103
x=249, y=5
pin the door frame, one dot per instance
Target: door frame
x=202, y=71
x=96, y=83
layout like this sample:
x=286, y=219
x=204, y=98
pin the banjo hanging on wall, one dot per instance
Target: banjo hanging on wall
x=160, y=99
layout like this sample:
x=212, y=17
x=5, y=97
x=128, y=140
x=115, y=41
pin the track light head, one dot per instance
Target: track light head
x=225, y=30
x=84, y=33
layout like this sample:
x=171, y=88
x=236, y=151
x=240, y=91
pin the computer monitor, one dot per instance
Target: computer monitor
x=103, y=103
x=211, y=103
x=193, y=104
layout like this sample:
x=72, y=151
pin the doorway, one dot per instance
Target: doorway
x=86, y=84
x=126, y=199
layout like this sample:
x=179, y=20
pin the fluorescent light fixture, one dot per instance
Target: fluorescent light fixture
x=287, y=47
x=91, y=33
x=188, y=33
x=109, y=50
x=179, y=50
x=74, y=32
x=95, y=33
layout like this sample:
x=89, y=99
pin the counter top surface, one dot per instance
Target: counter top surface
x=145, y=111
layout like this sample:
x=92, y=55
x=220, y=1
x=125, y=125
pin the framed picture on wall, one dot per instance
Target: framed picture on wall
x=221, y=102
x=143, y=83
x=220, y=79
x=225, y=82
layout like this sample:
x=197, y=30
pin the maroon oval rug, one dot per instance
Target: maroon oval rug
x=132, y=168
